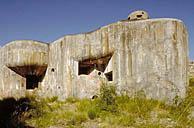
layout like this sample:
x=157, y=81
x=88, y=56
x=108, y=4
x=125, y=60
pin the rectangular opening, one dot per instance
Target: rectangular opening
x=85, y=69
x=87, y=66
x=32, y=81
x=139, y=15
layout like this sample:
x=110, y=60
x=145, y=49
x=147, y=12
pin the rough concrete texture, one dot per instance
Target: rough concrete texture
x=19, y=59
x=149, y=55
x=191, y=69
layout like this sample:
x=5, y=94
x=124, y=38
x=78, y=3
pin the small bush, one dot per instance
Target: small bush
x=39, y=108
x=107, y=100
x=190, y=88
x=191, y=82
x=92, y=113
x=12, y=112
x=108, y=94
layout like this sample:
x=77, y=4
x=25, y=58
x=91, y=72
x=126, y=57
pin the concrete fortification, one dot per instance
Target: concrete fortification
x=149, y=55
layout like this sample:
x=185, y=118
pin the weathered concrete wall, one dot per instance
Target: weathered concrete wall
x=149, y=55
x=18, y=59
x=191, y=69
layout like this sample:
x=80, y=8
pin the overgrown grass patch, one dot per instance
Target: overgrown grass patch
x=71, y=100
x=140, y=107
x=77, y=119
x=109, y=110
x=126, y=120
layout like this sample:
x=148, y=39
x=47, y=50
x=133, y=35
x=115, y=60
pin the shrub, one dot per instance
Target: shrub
x=190, y=88
x=12, y=112
x=107, y=100
x=108, y=94
x=92, y=113
x=39, y=108
x=191, y=82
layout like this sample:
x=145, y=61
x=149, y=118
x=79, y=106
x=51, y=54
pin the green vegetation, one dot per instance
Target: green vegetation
x=109, y=110
x=92, y=113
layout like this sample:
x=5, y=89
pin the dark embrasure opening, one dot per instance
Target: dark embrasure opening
x=109, y=76
x=32, y=81
x=87, y=66
x=139, y=15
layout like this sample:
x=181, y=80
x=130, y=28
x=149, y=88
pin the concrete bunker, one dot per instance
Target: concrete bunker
x=147, y=59
x=28, y=59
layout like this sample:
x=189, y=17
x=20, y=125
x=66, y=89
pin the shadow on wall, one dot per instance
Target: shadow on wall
x=11, y=112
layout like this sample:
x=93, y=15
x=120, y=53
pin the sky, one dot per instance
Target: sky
x=49, y=20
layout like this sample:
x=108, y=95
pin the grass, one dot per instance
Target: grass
x=109, y=110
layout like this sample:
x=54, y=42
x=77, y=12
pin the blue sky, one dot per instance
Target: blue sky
x=48, y=20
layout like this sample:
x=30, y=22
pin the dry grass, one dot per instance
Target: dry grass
x=109, y=110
